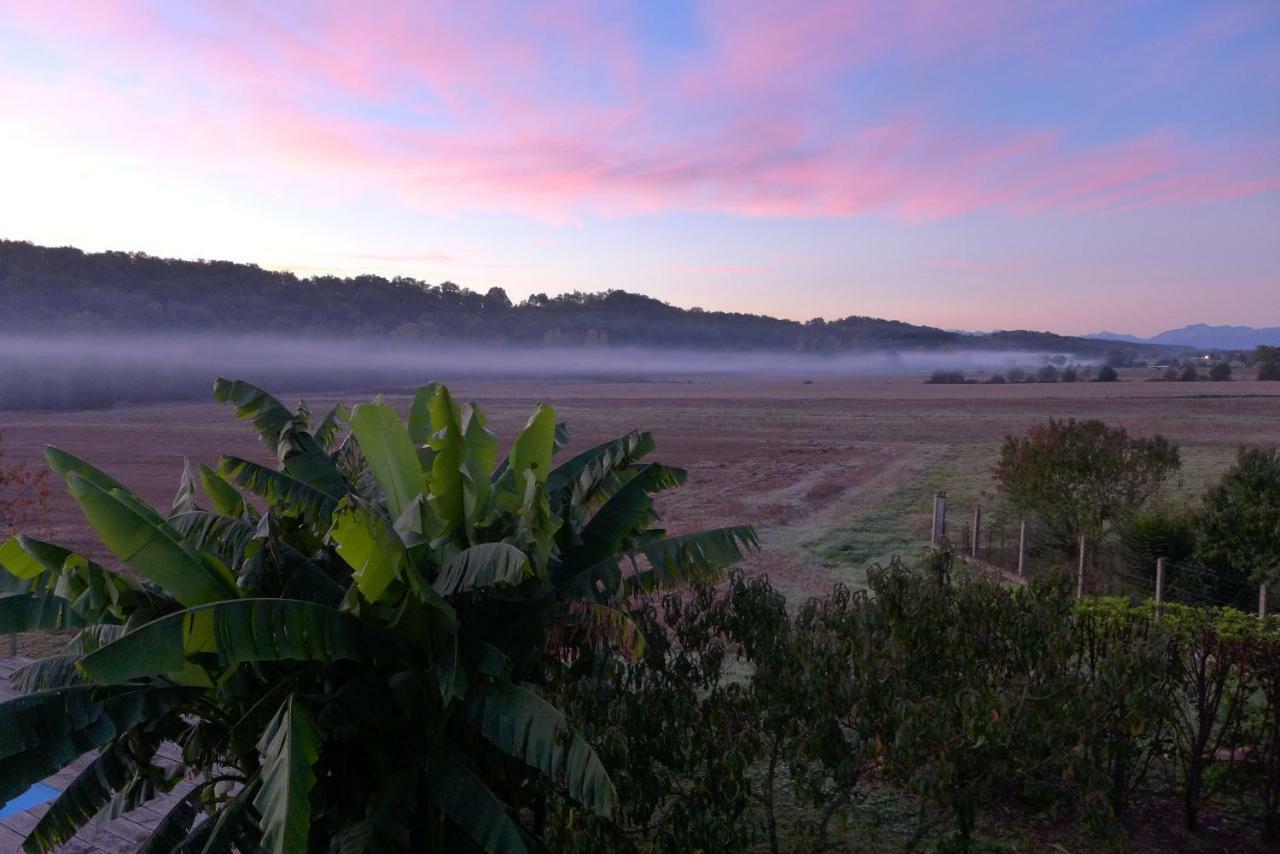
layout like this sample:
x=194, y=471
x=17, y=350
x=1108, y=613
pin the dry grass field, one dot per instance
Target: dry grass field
x=835, y=473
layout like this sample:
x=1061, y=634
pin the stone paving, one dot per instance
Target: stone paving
x=117, y=836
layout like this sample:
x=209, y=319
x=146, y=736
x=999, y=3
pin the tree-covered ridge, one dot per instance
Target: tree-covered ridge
x=65, y=289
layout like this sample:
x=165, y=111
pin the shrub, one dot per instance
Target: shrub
x=1221, y=372
x=1070, y=374
x=1076, y=477
x=1240, y=519
x=1047, y=374
x=1106, y=374
x=996, y=379
x=1189, y=374
x=941, y=377
x=364, y=661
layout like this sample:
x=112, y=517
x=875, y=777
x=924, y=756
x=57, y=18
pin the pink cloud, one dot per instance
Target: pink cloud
x=711, y=268
x=455, y=110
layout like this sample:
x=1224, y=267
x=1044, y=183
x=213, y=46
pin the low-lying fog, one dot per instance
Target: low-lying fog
x=79, y=371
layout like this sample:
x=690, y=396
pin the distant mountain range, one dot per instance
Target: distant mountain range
x=1203, y=336
x=46, y=290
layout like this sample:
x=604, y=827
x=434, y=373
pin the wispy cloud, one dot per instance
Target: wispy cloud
x=712, y=268
x=553, y=112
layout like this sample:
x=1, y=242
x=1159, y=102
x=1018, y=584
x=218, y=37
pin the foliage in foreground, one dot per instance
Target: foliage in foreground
x=361, y=665
x=748, y=724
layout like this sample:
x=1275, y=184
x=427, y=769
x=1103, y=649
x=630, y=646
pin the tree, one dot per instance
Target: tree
x=1107, y=374
x=1047, y=374
x=1078, y=476
x=1240, y=521
x=1070, y=375
x=1189, y=373
x=23, y=494
x=1220, y=372
x=359, y=666
x=1268, y=359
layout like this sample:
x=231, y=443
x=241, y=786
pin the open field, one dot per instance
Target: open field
x=834, y=473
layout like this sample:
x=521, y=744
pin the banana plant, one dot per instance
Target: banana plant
x=348, y=646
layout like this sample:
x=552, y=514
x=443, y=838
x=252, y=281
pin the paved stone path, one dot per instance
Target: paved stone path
x=118, y=836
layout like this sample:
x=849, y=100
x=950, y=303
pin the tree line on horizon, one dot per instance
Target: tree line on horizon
x=45, y=289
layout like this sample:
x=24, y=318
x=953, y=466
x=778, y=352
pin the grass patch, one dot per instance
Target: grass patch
x=899, y=524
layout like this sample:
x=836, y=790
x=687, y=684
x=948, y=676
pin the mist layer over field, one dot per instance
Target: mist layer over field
x=87, y=371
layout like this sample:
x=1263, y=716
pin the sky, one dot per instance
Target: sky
x=1072, y=166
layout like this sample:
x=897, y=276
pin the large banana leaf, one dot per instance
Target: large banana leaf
x=485, y=565
x=448, y=444
x=576, y=480
x=269, y=416
x=624, y=517
x=150, y=546
x=327, y=433
x=522, y=724
x=65, y=465
x=229, y=538
x=185, y=499
x=56, y=588
x=371, y=547
x=229, y=633
x=226, y=499
x=47, y=674
x=533, y=448
x=92, y=789
x=28, y=612
x=673, y=562
x=40, y=733
x=289, y=748
x=172, y=830
x=420, y=428
x=693, y=558
x=292, y=497
x=389, y=453
x=475, y=810
x=477, y=465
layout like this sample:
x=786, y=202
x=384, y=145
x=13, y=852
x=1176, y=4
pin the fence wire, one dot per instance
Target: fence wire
x=1110, y=568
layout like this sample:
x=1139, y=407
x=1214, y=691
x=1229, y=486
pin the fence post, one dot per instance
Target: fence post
x=939, y=531
x=1022, y=549
x=1159, y=586
x=13, y=644
x=1262, y=600
x=977, y=526
x=1080, y=571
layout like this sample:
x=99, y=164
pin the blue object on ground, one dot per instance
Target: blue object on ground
x=33, y=797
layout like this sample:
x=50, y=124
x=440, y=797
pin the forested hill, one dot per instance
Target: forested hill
x=65, y=290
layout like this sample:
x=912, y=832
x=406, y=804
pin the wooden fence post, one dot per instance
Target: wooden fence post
x=977, y=526
x=13, y=644
x=1262, y=600
x=1080, y=571
x=939, y=532
x=1159, y=586
x=1022, y=549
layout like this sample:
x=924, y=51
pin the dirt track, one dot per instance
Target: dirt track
x=797, y=460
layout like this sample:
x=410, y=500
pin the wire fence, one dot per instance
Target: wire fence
x=1021, y=548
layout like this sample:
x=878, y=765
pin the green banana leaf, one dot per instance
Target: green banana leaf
x=524, y=725
x=289, y=748
x=229, y=633
x=475, y=810
x=150, y=546
x=390, y=455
